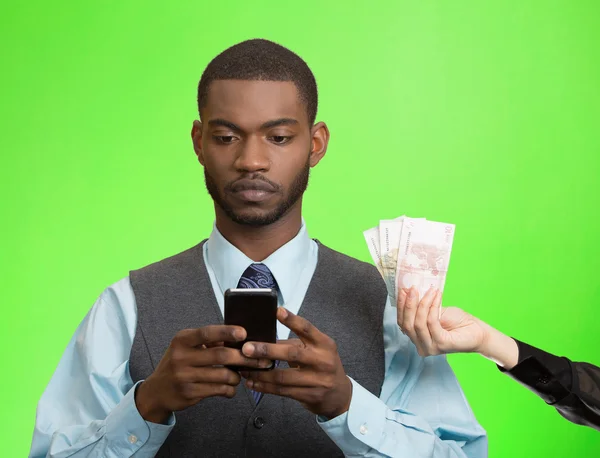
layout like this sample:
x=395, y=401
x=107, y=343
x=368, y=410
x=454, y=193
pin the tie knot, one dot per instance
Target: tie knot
x=257, y=276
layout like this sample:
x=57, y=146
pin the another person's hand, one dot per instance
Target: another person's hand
x=451, y=331
x=316, y=377
x=192, y=369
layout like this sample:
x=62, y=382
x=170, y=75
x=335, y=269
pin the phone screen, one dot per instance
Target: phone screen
x=255, y=310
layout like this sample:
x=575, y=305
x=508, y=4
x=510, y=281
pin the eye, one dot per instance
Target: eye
x=224, y=139
x=280, y=139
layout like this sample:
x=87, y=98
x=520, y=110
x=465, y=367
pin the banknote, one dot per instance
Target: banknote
x=373, y=243
x=424, y=254
x=411, y=252
x=389, y=240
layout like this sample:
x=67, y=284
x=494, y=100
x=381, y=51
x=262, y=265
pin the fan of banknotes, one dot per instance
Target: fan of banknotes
x=411, y=252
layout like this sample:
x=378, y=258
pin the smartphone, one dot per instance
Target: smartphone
x=254, y=309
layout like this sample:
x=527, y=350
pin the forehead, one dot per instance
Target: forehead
x=249, y=103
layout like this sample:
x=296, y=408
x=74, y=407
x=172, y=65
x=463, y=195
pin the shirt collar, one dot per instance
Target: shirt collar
x=286, y=264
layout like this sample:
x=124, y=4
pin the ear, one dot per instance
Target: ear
x=320, y=140
x=197, y=140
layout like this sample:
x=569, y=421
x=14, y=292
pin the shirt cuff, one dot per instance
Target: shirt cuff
x=338, y=431
x=536, y=377
x=362, y=427
x=127, y=431
x=560, y=367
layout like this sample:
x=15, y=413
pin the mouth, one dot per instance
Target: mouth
x=253, y=195
x=252, y=190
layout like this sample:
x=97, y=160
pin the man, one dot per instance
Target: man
x=145, y=372
x=572, y=388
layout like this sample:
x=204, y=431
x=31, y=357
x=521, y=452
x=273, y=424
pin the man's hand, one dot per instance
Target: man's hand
x=455, y=331
x=191, y=370
x=316, y=377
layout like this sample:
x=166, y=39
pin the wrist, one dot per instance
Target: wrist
x=344, y=404
x=500, y=348
x=148, y=406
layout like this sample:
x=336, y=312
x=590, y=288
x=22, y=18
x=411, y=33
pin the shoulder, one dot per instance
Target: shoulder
x=346, y=263
x=114, y=314
x=178, y=262
x=340, y=265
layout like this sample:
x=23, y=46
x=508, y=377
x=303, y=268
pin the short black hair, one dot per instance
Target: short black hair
x=262, y=60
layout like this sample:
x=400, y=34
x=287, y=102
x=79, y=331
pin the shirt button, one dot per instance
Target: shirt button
x=363, y=429
x=544, y=379
x=259, y=422
x=132, y=439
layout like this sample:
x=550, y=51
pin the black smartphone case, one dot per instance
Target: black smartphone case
x=256, y=311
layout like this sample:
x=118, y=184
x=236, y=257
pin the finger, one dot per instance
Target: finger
x=400, y=305
x=303, y=328
x=302, y=394
x=282, y=352
x=410, y=311
x=288, y=377
x=433, y=321
x=199, y=391
x=218, y=375
x=296, y=342
x=210, y=334
x=224, y=356
x=421, y=326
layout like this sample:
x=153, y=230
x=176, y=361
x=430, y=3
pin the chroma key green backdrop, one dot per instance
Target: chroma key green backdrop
x=483, y=114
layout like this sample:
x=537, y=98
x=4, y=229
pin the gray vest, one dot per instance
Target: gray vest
x=345, y=300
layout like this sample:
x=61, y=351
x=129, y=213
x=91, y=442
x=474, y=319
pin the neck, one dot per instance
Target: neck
x=258, y=243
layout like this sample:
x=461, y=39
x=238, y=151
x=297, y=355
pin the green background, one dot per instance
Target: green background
x=483, y=114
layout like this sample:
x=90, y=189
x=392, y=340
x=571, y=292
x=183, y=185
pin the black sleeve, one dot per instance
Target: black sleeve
x=572, y=388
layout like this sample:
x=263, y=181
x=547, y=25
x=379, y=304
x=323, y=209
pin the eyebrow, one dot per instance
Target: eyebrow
x=279, y=122
x=266, y=125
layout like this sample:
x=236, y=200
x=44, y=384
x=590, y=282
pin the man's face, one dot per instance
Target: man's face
x=257, y=147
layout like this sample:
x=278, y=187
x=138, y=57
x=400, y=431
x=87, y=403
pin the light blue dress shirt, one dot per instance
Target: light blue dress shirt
x=88, y=408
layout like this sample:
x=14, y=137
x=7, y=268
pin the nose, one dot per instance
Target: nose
x=252, y=156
